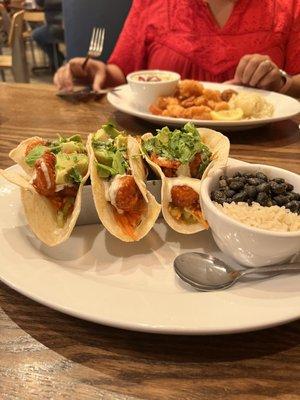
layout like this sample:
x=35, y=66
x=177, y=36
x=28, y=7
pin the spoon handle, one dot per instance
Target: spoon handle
x=273, y=268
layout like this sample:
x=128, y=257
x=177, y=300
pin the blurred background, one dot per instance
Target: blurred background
x=38, y=36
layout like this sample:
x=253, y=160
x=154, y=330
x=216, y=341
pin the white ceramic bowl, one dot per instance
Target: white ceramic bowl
x=249, y=246
x=146, y=92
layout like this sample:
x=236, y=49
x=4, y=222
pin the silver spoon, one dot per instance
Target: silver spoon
x=207, y=273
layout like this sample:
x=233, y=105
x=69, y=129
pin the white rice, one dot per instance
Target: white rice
x=274, y=218
x=253, y=105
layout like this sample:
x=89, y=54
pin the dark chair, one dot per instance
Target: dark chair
x=80, y=16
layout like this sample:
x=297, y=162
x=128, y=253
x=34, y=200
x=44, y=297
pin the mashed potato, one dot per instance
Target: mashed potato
x=252, y=104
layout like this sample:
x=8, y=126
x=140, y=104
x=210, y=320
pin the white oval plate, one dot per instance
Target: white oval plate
x=285, y=107
x=96, y=277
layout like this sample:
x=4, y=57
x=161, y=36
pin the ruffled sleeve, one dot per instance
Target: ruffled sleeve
x=292, y=58
x=130, y=51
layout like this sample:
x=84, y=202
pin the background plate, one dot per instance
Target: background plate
x=285, y=107
x=96, y=277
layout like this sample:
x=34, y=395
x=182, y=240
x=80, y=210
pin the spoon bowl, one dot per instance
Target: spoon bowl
x=207, y=273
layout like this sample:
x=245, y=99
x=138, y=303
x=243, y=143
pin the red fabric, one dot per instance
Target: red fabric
x=183, y=36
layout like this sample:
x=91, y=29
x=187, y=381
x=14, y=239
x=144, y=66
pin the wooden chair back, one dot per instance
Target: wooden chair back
x=34, y=16
x=6, y=21
x=19, y=62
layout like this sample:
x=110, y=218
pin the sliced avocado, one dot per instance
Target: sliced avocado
x=104, y=157
x=121, y=142
x=118, y=163
x=111, y=130
x=65, y=163
x=35, y=154
x=101, y=136
x=72, y=147
x=104, y=171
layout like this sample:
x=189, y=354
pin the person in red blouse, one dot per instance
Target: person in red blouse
x=250, y=42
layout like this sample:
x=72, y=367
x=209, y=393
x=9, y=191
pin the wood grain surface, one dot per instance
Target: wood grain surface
x=47, y=355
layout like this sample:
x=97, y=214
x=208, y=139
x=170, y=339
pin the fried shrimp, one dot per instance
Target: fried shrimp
x=169, y=167
x=189, y=87
x=129, y=197
x=184, y=196
x=44, y=181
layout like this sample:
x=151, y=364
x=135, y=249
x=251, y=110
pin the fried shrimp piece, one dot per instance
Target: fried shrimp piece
x=222, y=105
x=195, y=164
x=169, y=167
x=164, y=162
x=189, y=102
x=184, y=196
x=174, y=111
x=44, y=181
x=200, y=101
x=210, y=94
x=227, y=94
x=129, y=197
x=155, y=110
x=201, y=112
x=33, y=144
x=189, y=87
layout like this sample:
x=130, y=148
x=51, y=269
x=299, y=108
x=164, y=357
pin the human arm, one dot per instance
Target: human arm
x=128, y=55
x=95, y=73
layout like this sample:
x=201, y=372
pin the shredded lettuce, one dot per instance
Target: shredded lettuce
x=181, y=144
x=75, y=175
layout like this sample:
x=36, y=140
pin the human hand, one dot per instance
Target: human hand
x=94, y=73
x=258, y=71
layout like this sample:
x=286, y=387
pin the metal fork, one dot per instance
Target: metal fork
x=96, y=45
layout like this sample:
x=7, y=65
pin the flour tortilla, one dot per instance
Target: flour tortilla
x=19, y=153
x=219, y=146
x=39, y=212
x=105, y=209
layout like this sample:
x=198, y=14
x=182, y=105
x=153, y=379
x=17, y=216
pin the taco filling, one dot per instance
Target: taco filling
x=58, y=169
x=113, y=167
x=179, y=152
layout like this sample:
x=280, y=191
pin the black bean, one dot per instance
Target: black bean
x=251, y=191
x=294, y=196
x=253, y=181
x=289, y=187
x=293, y=205
x=279, y=180
x=222, y=183
x=262, y=176
x=236, y=174
x=249, y=201
x=229, y=192
x=277, y=188
x=248, y=175
x=280, y=200
x=236, y=185
x=223, y=178
x=263, y=187
x=229, y=180
x=241, y=196
x=262, y=198
x=219, y=196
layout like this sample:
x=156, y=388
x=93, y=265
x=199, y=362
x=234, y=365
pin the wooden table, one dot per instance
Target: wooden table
x=48, y=355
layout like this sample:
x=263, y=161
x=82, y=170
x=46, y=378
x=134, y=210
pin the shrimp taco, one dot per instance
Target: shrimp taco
x=182, y=158
x=124, y=205
x=55, y=172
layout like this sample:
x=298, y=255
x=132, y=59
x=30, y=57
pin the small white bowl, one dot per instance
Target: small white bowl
x=251, y=247
x=146, y=92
